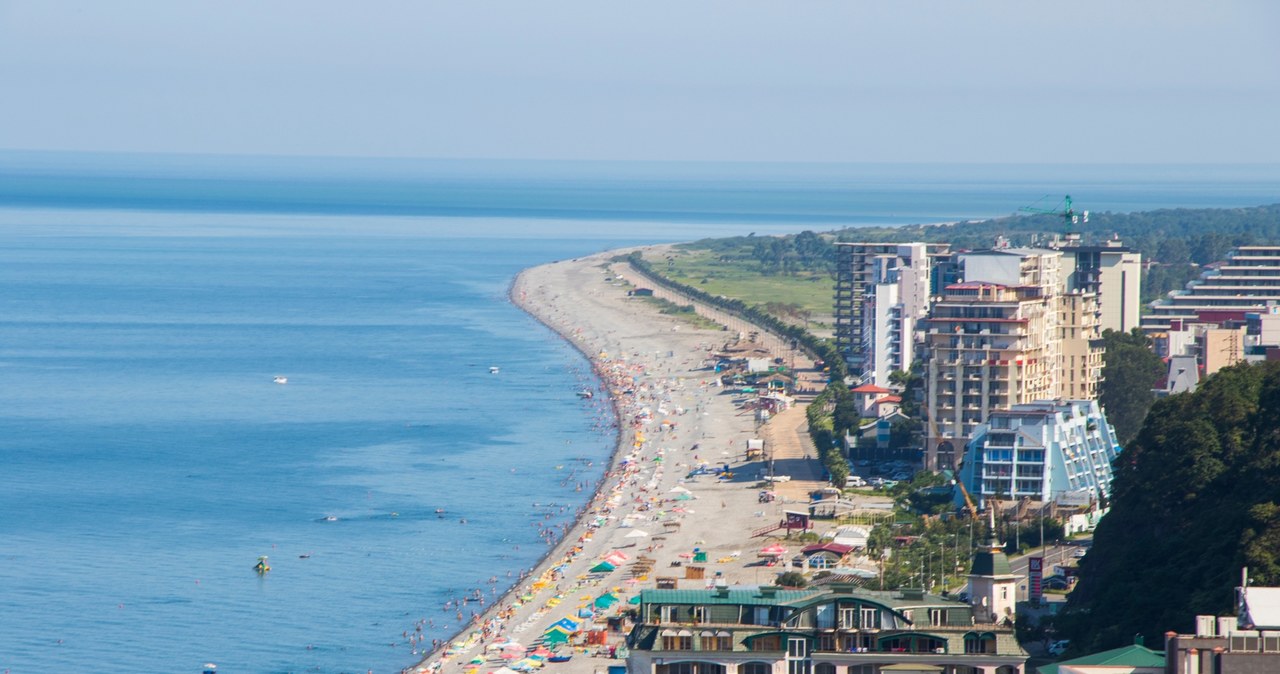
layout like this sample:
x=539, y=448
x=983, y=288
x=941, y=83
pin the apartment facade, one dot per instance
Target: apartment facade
x=1009, y=334
x=1048, y=450
x=833, y=629
x=1112, y=272
x=882, y=291
x=1248, y=281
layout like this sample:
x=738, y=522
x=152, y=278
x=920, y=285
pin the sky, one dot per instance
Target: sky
x=979, y=81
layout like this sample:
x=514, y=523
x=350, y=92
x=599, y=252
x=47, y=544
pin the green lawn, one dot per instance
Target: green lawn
x=787, y=296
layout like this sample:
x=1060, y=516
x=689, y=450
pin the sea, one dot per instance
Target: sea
x=148, y=458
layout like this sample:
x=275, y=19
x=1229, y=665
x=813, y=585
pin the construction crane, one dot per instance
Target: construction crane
x=968, y=501
x=1064, y=210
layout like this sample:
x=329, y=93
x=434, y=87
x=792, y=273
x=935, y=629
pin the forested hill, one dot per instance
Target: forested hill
x=1172, y=236
x=1178, y=240
x=1196, y=498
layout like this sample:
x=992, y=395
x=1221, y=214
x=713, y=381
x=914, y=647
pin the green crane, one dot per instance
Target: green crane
x=1064, y=210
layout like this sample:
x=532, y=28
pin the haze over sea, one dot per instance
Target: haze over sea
x=146, y=303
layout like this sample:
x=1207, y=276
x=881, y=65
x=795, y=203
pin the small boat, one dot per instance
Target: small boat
x=493, y=369
x=262, y=567
x=559, y=658
x=281, y=380
x=585, y=393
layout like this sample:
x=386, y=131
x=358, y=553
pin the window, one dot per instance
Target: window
x=668, y=614
x=937, y=616
x=870, y=618
x=862, y=669
x=677, y=641
x=717, y=641
x=824, y=668
x=755, y=668
x=848, y=618
x=691, y=668
x=769, y=642
x=826, y=642
x=826, y=617
x=979, y=643
x=698, y=612
x=798, y=661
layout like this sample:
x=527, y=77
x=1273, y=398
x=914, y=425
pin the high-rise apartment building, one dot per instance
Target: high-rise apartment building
x=882, y=291
x=1009, y=334
x=1110, y=271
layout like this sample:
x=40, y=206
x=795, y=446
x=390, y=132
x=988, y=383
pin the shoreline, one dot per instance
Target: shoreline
x=623, y=341
x=516, y=295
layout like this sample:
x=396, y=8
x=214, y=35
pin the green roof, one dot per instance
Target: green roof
x=991, y=562
x=735, y=596
x=1128, y=656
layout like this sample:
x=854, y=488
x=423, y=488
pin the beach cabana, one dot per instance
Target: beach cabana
x=605, y=600
x=603, y=567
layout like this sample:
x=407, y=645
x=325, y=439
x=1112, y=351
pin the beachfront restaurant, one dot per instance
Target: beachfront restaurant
x=833, y=629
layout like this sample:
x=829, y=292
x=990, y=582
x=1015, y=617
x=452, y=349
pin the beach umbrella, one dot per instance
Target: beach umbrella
x=585, y=613
x=774, y=550
x=605, y=600
x=634, y=600
x=556, y=637
x=637, y=533
x=603, y=567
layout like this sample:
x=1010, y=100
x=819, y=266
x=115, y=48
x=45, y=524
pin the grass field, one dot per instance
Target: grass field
x=789, y=297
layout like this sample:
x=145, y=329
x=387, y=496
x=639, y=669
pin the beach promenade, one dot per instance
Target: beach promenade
x=672, y=419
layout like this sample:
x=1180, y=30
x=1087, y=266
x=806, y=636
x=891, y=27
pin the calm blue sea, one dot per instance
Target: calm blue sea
x=147, y=458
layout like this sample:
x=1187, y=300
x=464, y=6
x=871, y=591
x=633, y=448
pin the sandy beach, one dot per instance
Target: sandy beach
x=672, y=418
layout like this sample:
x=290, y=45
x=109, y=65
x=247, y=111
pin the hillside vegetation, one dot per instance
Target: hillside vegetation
x=1196, y=498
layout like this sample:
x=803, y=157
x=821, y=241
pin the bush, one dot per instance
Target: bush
x=791, y=579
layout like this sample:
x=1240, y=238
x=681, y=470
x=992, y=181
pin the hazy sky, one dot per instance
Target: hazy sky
x=980, y=81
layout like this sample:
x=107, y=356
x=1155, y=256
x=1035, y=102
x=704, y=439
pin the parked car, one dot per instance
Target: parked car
x=1080, y=552
x=854, y=481
x=888, y=484
x=876, y=482
x=1057, y=648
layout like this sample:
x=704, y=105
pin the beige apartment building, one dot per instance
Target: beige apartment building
x=1008, y=334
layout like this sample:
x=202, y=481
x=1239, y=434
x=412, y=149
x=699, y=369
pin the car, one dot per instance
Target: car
x=1056, y=583
x=1057, y=648
x=854, y=481
x=888, y=484
x=1080, y=552
x=876, y=482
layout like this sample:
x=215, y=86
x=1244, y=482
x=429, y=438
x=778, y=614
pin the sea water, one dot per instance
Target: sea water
x=148, y=459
